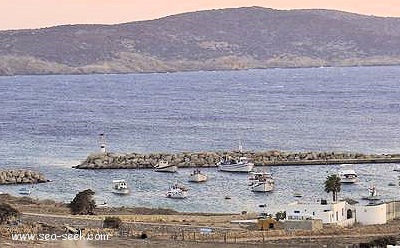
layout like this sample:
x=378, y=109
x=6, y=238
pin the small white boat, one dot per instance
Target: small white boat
x=297, y=195
x=255, y=176
x=197, y=177
x=397, y=168
x=261, y=182
x=120, y=187
x=164, y=166
x=347, y=174
x=101, y=203
x=176, y=194
x=177, y=191
x=180, y=186
x=372, y=194
x=24, y=191
x=242, y=164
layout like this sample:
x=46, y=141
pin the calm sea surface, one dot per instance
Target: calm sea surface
x=50, y=123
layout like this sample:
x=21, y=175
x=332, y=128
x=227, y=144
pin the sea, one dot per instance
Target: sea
x=49, y=123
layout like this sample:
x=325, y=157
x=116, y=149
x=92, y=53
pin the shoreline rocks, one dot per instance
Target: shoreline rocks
x=20, y=176
x=210, y=159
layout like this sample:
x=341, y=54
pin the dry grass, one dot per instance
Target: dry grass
x=159, y=217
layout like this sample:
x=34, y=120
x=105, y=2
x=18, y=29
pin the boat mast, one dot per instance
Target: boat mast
x=240, y=146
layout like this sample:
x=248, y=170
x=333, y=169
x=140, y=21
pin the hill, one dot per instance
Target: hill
x=224, y=39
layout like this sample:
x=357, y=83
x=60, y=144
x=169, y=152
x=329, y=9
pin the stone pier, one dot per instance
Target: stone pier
x=210, y=159
x=20, y=176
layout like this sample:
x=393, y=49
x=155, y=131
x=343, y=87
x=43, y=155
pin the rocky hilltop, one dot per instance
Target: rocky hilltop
x=225, y=39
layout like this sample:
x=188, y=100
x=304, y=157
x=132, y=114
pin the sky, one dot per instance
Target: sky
x=20, y=14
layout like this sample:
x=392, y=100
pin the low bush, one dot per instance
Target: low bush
x=112, y=222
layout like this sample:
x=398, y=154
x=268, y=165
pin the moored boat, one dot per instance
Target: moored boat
x=24, y=191
x=347, y=174
x=120, y=187
x=164, y=166
x=180, y=186
x=261, y=182
x=297, y=195
x=101, y=203
x=177, y=191
x=197, y=177
x=242, y=164
x=176, y=194
x=372, y=194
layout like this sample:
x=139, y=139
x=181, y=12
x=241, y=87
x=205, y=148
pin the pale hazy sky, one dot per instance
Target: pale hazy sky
x=18, y=14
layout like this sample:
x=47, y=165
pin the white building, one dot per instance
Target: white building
x=338, y=213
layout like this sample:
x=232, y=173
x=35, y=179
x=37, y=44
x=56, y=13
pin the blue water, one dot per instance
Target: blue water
x=50, y=123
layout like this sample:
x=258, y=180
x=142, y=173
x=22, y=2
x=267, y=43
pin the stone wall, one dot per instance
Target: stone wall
x=312, y=225
x=393, y=210
x=210, y=159
x=21, y=177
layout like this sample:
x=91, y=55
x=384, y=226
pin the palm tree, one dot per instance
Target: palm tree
x=332, y=184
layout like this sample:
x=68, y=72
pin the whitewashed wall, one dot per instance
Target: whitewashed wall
x=371, y=214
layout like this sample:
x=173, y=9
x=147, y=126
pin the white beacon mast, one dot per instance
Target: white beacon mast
x=102, y=141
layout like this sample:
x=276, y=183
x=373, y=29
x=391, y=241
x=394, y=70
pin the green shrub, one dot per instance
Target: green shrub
x=83, y=203
x=383, y=241
x=112, y=222
x=7, y=212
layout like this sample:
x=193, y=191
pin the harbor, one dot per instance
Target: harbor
x=193, y=119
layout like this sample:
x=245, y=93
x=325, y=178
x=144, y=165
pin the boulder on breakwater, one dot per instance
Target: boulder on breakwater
x=20, y=176
x=210, y=159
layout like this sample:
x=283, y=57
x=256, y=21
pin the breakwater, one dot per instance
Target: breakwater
x=210, y=159
x=21, y=177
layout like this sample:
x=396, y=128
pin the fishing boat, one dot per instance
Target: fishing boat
x=297, y=195
x=176, y=194
x=242, y=164
x=372, y=194
x=197, y=177
x=180, y=186
x=120, y=187
x=347, y=174
x=164, y=166
x=177, y=191
x=261, y=182
x=101, y=203
x=24, y=191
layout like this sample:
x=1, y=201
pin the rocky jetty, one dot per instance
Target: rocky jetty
x=21, y=177
x=210, y=159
